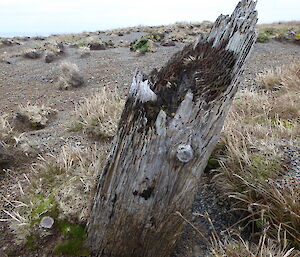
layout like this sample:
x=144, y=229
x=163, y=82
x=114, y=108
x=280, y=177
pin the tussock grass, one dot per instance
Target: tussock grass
x=80, y=40
x=5, y=129
x=144, y=44
x=84, y=52
x=286, y=78
x=31, y=53
x=171, y=30
x=99, y=114
x=93, y=42
x=73, y=190
x=53, y=51
x=70, y=76
x=60, y=186
x=289, y=31
x=236, y=246
x=70, y=38
x=84, y=42
x=285, y=81
x=263, y=122
x=53, y=47
x=34, y=115
x=271, y=79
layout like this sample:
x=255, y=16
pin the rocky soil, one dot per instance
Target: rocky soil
x=24, y=80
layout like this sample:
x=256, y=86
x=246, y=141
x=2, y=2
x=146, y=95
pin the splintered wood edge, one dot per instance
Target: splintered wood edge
x=237, y=32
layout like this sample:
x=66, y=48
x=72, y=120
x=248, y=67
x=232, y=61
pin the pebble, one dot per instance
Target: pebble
x=47, y=222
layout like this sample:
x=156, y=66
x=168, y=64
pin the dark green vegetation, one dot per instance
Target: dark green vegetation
x=73, y=243
x=145, y=43
x=289, y=32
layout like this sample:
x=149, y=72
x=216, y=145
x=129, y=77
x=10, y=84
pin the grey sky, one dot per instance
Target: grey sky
x=34, y=17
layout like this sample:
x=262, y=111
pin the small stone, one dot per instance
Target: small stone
x=46, y=222
x=168, y=43
x=97, y=46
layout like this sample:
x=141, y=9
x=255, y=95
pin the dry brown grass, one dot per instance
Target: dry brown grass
x=32, y=53
x=89, y=41
x=52, y=47
x=34, y=115
x=236, y=246
x=99, y=114
x=281, y=26
x=69, y=38
x=286, y=77
x=5, y=129
x=285, y=81
x=271, y=79
x=180, y=31
x=261, y=123
x=84, y=52
x=289, y=31
x=70, y=76
x=74, y=188
x=61, y=187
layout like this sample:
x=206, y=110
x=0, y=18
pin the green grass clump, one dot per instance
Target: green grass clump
x=74, y=236
x=43, y=207
x=263, y=37
x=283, y=31
x=144, y=43
x=262, y=168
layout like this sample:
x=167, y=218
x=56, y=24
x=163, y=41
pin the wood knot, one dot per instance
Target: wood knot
x=185, y=153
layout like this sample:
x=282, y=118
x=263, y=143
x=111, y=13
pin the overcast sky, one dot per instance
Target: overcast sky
x=43, y=17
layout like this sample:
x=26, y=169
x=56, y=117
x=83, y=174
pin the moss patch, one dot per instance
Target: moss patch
x=74, y=236
x=46, y=207
x=262, y=168
x=212, y=164
x=31, y=242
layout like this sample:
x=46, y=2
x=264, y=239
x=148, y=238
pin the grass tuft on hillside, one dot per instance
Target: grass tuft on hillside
x=99, y=114
x=283, y=31
x=261, y=128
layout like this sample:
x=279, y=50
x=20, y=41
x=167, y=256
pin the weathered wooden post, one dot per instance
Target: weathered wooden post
x=171, y=122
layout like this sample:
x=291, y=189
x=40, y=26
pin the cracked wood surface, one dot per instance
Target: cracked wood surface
x=170, y=124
